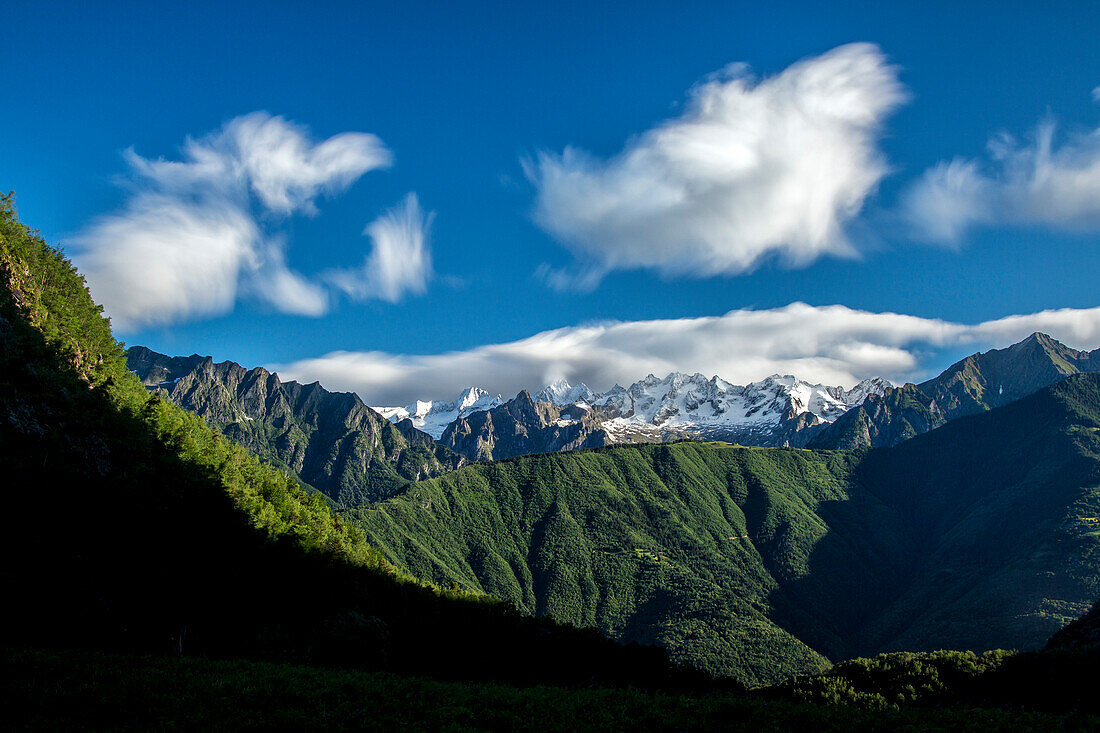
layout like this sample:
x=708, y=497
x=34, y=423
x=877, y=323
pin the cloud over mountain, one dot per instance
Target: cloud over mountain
x=753, y=169
x=194, y=235
x=827, y=344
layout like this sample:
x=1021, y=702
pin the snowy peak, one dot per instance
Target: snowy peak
x=562, y=393
x=433, y=417
x=474, y=399
x=873, y=386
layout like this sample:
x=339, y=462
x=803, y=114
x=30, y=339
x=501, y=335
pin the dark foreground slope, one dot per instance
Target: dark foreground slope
x=755, y=562
x=133, y=525
x=112, y=692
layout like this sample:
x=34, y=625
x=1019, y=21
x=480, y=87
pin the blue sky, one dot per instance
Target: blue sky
x=459, y=97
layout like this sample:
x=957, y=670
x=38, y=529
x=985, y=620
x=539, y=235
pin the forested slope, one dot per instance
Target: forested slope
x=683, y=544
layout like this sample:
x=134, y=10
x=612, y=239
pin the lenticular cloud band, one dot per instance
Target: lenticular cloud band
x=833, y=345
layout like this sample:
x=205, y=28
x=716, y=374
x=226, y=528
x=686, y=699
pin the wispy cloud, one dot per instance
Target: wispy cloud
x=829, y=344
x=400, y=260
x=196, y=234
x=753, y=169
x=1035, y=182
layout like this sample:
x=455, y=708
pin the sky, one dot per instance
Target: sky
x=404, y=199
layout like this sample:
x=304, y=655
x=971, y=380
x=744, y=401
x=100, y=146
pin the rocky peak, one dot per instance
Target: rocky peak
x=330, y=440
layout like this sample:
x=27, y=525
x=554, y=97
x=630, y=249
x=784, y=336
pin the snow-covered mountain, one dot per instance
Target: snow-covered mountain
x=433, y=417
x=759, y=413
x=777, y=410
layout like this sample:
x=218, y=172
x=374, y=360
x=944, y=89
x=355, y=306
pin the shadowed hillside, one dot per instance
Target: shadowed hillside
x=135, y=526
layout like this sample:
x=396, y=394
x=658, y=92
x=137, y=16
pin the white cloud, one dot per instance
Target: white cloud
x=1020, y=184
x=163, y=259
x=400, y=260
x=753, y=169
x=828, y=344
x=194, y=235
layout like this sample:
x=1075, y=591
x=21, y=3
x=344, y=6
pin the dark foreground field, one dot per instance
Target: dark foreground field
x=82, y=691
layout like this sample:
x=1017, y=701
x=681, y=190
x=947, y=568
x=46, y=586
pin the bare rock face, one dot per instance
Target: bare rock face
x=523, y=426
x=330, y=440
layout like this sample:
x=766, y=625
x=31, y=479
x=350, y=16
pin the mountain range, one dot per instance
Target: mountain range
x=640, y=581
x=774, y=411
x=351, y=452
x=335, y=443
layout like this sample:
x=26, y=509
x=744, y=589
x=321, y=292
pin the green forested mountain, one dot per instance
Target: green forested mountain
x=978, y=383
x=329, y=440
x=760, y=562
x=681, y=544
x=133, y=525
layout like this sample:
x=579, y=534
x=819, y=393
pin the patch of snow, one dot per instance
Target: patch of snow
x=874, y=386
x=393, y=414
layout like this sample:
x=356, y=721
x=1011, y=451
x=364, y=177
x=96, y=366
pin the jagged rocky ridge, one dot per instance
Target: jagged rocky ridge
x=973, y=385
x=776, y=411
x=330, y=440
x=523, y=426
